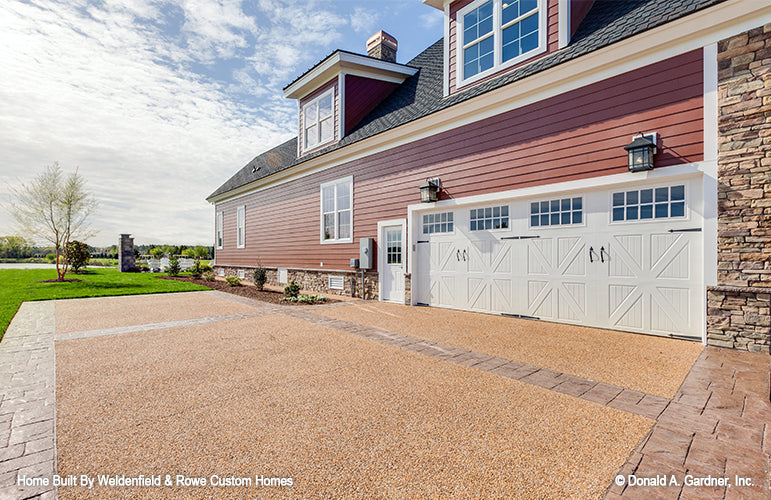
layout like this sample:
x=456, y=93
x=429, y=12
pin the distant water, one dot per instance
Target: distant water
x=25, y=265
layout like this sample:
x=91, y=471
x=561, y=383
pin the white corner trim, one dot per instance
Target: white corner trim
x=446, y=53
x=341, y=111
x=710, y=183
x=564, y=23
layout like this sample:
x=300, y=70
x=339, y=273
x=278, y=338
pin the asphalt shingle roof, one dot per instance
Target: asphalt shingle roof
x=607, y=22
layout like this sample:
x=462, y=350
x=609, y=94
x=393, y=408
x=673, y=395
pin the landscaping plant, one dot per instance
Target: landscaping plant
x=292, y=290
x=196, y=271
x=260, y=277
x=209, y=276
x=77, y=254
x=233, y=280
x=173, y=268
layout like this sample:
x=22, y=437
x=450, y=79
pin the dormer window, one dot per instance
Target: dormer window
x=496, y=34
x=319, y=120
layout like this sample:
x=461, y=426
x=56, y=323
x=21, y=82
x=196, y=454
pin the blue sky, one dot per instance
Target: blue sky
x=158, y=102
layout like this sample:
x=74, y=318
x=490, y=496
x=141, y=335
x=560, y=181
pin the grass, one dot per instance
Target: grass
x=20, y=285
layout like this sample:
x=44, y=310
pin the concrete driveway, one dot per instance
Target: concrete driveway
x=354, y=400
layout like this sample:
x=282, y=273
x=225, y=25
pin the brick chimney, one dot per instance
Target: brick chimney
x=383, y=46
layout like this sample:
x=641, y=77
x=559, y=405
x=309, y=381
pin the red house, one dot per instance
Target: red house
x=600, y=163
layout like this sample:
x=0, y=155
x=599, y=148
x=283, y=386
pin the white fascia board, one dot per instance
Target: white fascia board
x=437, y=4
x=692, y=32
x=331, y=67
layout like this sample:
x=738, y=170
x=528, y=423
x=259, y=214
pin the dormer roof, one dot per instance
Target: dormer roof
x=341, y=61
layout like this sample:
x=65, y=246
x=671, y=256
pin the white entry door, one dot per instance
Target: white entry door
x=391, y=260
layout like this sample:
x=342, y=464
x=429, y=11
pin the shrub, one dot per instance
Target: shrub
x=292, y=289
x=50, y=257
x=233, y=280
x=206, y=268
x=196, y=271
x=305, y=298
x=77, y=255
x=260, y=277
x=209, y=276
x=173, y=268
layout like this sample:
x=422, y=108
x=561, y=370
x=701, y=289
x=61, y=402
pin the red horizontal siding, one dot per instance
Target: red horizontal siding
x=361, y=97
x=576, y=135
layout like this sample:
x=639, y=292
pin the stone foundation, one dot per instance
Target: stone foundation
x=738, y=308
x=739, y=318
x=314, y=281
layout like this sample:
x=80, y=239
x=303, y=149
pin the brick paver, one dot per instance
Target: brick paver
x=28, y=402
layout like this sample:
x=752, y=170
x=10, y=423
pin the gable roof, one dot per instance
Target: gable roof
x=607, y=22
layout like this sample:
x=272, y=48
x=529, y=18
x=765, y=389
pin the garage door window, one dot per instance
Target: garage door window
x=647, y=204
x=489, y=218
x=438, y=223
x=557, y=212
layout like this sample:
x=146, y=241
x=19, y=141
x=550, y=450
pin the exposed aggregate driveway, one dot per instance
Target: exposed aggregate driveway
x=351, y=400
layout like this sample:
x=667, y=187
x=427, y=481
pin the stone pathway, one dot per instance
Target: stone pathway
x=718, y=424
x=28, y=402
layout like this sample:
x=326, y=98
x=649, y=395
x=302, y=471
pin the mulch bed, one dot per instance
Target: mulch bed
x=247, y=291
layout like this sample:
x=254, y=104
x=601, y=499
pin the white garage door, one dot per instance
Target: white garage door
x=626, y=259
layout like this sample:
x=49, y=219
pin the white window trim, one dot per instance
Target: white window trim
x=335, y=240
x=498, y=65
x=241, y=227
x=304, y=127
x=219, y=234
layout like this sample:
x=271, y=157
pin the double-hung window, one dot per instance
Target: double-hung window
x=337, y=211
x=495, y=34
x=241, y=226
x=219, y=230
x=319, y=120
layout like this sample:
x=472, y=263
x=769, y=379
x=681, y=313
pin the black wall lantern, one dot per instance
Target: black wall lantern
x=641, y=152
x=429, y=190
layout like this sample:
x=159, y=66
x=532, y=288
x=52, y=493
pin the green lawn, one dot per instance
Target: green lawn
x=19, y=285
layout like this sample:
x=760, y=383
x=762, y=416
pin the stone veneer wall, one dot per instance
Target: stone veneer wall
x=739, y=307
x=314, y=281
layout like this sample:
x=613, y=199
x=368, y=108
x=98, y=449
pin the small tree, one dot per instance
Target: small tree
x=196, y=271
x=188, y=252
x=56, y=209
x=260, y=277
x=173, y=268
x=201, y=252
x=156, y=252
x=78, y=255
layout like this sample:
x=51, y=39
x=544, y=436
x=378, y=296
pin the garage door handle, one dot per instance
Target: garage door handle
x=457, y=254
x=464, y=255
x=591, y=251
x=602, y=254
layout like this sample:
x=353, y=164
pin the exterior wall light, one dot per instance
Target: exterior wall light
x=641, y=151
x=429, y=190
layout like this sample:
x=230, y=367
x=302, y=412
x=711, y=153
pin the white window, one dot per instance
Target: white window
x=646, y=204
x=337, y=211
x=557, y=212
x=241, y=274
x=241, y=226
x=219, y=230
x=481, y=219
x=319, y=120
x=438, y=223
x=495, y=34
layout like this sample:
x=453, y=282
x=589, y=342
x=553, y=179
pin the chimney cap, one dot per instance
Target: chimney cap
x=381, y=37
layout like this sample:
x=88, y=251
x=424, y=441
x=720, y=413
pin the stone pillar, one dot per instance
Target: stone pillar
x=739, y=306
x=126, y=257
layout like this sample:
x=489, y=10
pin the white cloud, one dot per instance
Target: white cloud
x=431, y=19
x=151, y=140
x=364, y=20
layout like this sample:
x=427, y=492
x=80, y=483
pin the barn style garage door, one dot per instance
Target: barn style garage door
x=626, y=259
